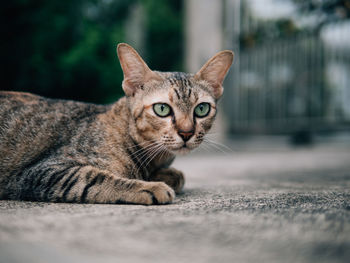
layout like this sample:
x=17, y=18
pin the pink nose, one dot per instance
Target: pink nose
x=186, y=135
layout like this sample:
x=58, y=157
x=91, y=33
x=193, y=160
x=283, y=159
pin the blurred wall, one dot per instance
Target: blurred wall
x=204, y=36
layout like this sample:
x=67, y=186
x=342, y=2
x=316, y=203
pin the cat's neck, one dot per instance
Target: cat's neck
x=123, y=122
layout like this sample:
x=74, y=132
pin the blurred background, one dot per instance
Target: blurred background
x=251, y=195
x=291, y=73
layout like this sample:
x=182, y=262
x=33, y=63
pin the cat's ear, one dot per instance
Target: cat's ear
x=136, y=72
x=214, y=71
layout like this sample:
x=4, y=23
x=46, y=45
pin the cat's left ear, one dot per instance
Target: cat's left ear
x=136, y=72
x=214, y=71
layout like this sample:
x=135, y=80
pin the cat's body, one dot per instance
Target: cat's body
x=65, y=151
x=43, y=140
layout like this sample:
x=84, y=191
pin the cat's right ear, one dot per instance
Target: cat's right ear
x=136, y=72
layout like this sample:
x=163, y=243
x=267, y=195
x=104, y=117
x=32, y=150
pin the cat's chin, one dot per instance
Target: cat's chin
x=181, y=151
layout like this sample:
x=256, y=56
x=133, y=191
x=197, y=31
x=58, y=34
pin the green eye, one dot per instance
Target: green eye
x=202, y=109
x=161, y=109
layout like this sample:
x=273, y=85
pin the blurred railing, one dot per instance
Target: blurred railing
x=288, y=85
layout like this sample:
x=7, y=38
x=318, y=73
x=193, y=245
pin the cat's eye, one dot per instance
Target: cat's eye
x=162, y=109
x=202, y=110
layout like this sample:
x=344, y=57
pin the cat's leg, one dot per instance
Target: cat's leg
x=87, y=184
x=172, y=177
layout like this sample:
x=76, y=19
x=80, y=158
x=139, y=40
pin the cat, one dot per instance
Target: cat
x=65, y=151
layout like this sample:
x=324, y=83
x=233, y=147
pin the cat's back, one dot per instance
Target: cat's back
x=22, y=102
x=12, y=101
x=31, y=125
x=19, y=110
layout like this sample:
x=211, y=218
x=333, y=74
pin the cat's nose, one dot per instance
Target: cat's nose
x=186, y=135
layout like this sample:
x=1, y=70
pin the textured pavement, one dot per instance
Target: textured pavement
x=253, y=204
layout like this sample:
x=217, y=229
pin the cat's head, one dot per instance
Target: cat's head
x=172, y=109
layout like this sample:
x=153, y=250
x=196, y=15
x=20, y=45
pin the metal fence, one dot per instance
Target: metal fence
x=287, y=85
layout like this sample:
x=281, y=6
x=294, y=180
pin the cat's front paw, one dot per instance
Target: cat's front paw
x=156, y=193
x=172, y=177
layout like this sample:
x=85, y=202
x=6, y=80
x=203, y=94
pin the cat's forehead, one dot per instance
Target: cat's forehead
x=180, y=90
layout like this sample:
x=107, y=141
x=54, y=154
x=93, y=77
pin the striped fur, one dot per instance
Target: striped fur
x=66, y=151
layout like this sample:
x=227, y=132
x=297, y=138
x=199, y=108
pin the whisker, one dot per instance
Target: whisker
x=158, y=151
x=145, y=148
x=212, y=144
x=150, y=153
x=163, y=152
x=213, y=133
x=140, y=144
x=218, y=144
x=145, y=155
x=142, y=154
x=213, y=148
x=204, y=146
x=151, y=156
x=149, y=150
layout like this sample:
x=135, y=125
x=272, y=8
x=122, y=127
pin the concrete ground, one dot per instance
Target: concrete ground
x=257, y=203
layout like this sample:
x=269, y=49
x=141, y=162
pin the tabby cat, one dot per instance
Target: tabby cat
x=66, y=151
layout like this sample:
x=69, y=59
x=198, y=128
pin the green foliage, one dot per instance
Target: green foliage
x=164, y=38
x=66, y=49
